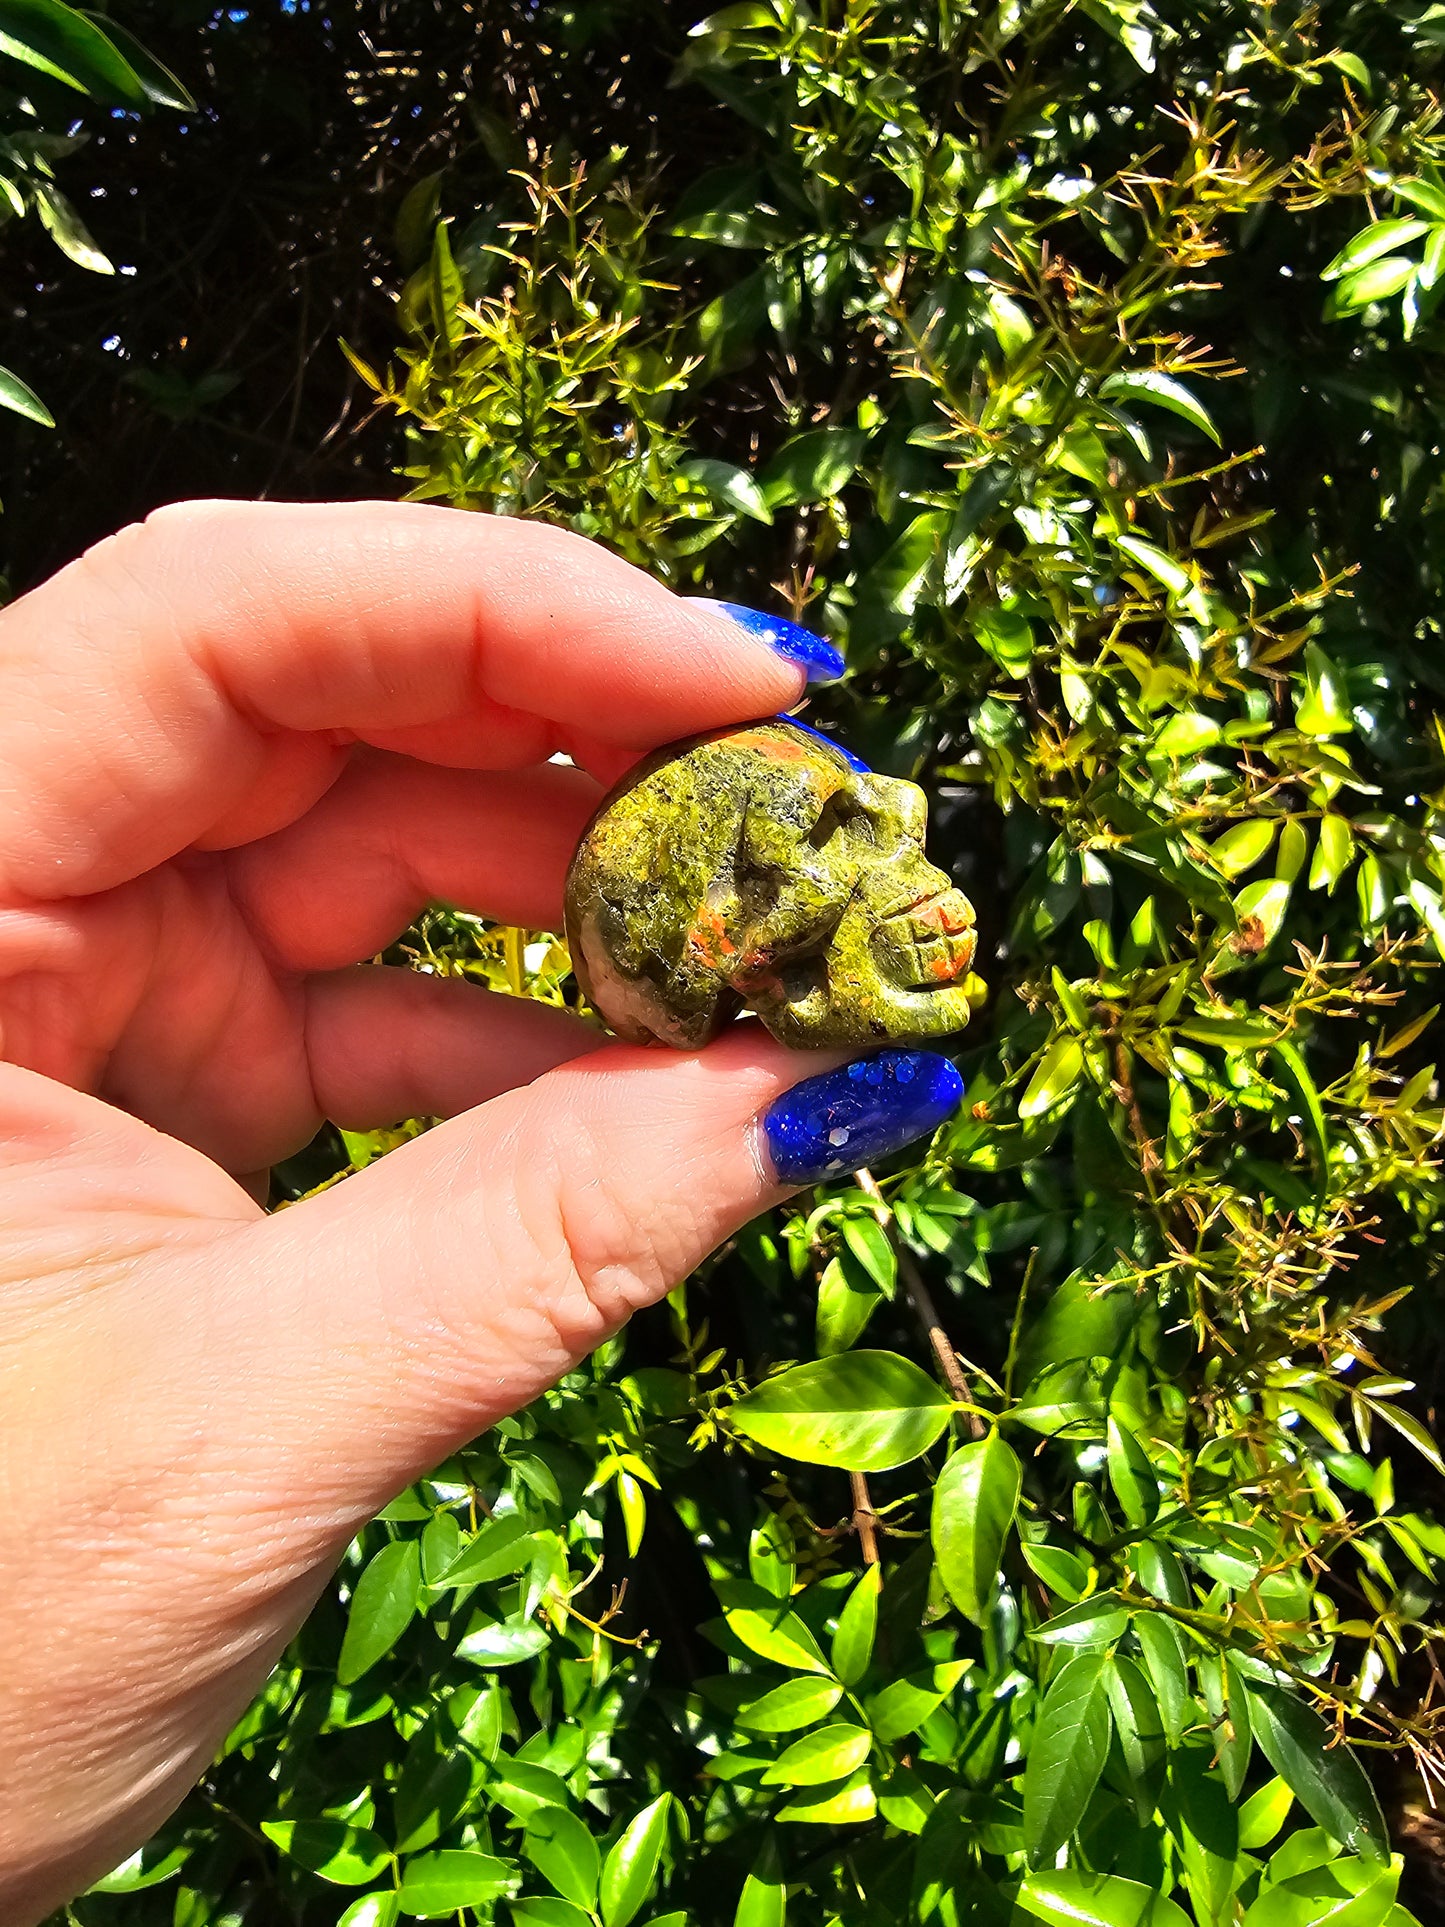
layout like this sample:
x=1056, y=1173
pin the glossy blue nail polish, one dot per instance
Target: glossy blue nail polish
x=818, y=656
x=835, y=1123
x=853, y=762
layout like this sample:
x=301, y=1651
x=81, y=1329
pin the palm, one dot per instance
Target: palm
x=210, y=995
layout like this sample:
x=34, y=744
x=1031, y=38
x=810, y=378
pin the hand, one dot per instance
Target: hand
x=240, y=748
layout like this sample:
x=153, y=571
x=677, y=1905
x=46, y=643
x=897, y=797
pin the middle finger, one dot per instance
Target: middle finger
x=392, y=836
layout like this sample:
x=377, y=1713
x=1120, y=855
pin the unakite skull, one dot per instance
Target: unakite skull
x=760, y=867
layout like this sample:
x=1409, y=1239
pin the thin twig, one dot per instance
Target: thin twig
x=865, y=1519
x=921, y=1299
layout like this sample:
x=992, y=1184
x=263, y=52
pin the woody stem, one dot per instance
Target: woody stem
x=921, y=1300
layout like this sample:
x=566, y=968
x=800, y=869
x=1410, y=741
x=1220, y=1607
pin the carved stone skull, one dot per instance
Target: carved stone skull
x=763, y=867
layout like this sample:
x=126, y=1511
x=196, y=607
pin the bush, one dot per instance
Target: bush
x=1038, y=1529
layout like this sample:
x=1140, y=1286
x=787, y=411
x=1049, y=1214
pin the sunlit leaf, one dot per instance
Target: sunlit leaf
x=1152, y=385
x=1066, y=1755
x=861, y=1411
x=347, y=1856
x=629, y=1873
x=974, y=1503
x=434, y=1885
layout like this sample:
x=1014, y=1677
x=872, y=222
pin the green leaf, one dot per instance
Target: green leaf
x=56, y=40
x=764, y=1901
x=1132, y=1476
x=1176, y=579
x=729, y=484
x=491, y=1644
x=1422, y=194
x=1186, y=732
x=1296, y=1076
x=1323, y=709
x=1327, y=1780
x=768, y=1627
x=1062, y=1572
x=1381, y=237
x=382, y=1607
x=1066, y=1756
x=903, y=1705
x=1055, y=1077
x=629, y=1873
x=372, y=1910
x=23, y=400
x=148, y=1866
x=1150, y=384
x=162, y=88
x=1333, y=852
x=1007, y=636
x=812, y=467
x=861, y=1412
x=1011, y=326
x=831, y=1753
x=346, y=1856
x=1409, y=1427
x=1265, y=903
x=1205, y=1828
x=502, y=1547
x=857, y=1627
x=905, y=1799
x=1240, y=848
x=847, y=1299
x=524, y=1789
x=773, y=1556
x=974, y=1503
x=416, y=221
x=1229, y=1720
x=1377, y=282
x=1162, y=1644
x=871, y=1246
x=443, y=287
x=1351, y=64
x=1093, y=1622
x=1264, y=1813
x=67, y=230
x=796, y=1703
x=561, y=1847
x=546, y=1910
x=1140, y=1730
x=1065, y=1898
x=436, y=1884
x=1323, y=1897
x=848, y=1805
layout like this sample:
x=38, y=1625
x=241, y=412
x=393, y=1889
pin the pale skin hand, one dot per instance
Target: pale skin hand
x=240, y=747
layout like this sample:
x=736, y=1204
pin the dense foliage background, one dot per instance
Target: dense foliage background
x=1044, y=1527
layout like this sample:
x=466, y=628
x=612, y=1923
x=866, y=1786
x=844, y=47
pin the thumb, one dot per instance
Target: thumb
x=447, y=1285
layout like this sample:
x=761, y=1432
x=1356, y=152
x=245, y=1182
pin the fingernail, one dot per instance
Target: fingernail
x=865, y=1110
x=818, y=656
x=853, y=762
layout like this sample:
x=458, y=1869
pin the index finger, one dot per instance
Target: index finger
x=208, y=666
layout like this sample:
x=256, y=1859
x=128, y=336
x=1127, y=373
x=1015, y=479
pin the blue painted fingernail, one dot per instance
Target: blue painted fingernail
x=818, y=656
x=836, y=1123
x=853, y=762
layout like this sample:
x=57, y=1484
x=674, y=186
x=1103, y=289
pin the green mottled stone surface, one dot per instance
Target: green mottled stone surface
x=755, y=867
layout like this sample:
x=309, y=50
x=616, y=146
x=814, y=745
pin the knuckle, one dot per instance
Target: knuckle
x=597, y=1258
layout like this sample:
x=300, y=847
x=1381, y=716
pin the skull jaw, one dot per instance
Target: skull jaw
x=890, y=980
x=869, y=1014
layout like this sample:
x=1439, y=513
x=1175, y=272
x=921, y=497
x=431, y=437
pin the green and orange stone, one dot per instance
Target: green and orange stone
x=762, y=867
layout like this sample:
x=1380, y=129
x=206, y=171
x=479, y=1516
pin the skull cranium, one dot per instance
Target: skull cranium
x=763, y=867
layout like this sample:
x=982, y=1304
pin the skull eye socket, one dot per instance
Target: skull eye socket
x=841, y=811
